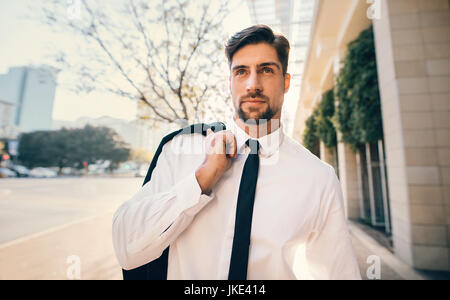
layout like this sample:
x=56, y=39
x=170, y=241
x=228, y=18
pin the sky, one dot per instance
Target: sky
x=27, y=41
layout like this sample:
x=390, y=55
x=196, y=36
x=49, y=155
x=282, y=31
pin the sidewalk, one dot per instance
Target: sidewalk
x=368, y=242
x=78, y=250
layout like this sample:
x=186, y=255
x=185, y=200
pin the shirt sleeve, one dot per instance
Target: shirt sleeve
x=150, y=221
x=329, y=251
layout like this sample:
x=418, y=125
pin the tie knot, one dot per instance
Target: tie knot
x=254, y=146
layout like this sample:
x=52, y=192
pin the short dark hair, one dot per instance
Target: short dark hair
x=259, y=34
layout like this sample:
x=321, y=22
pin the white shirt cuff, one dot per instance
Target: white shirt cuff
x=190, y=190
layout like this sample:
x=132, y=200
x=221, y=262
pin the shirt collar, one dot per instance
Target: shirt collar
x=270, y=143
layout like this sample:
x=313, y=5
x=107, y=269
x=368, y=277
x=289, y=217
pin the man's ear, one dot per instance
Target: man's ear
x=229, y=83
x=287, y=82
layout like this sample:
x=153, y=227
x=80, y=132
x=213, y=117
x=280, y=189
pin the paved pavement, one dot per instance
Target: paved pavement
x=376, y=261
x=368, y=242
x=78, y=250
x=48, y=226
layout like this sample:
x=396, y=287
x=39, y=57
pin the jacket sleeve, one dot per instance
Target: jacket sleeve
x=329, y=251
x=150, y=221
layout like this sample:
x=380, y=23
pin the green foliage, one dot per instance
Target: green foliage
x=310, y=139
x=71, y=147
x=319, y=126
x=358, y=114
x=325, y=129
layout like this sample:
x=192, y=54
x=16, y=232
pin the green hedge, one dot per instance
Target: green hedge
x=325, y=129
x=310, y=139
x=319, y=126
x=358, y=115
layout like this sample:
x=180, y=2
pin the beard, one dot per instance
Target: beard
x=261, y=117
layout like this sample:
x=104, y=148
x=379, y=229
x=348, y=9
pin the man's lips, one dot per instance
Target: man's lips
x=254, y=100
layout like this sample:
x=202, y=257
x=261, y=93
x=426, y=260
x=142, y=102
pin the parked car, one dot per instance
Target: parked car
x=5, y=173
x=126, y=168
x=42, y=173
x=20, y=171
x=68, y=171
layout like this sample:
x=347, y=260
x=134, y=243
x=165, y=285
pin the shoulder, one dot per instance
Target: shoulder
x=303, y=159
x=188, y=140
x=177, y=143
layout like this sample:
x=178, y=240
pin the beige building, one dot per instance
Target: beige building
x=412, y=44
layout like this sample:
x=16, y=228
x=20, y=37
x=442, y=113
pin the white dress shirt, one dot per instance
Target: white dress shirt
x=299, y=230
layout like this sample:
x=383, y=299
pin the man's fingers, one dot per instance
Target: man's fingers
x=231, y=145
x=210, y=141
x=223, y=142
x=230, y=142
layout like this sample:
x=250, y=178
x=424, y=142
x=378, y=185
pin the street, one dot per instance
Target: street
x=29, y=206
x=50, y=225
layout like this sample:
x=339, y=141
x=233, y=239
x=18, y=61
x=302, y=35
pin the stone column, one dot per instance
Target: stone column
x=328, y=155
x=412, y=39
x=348, y=176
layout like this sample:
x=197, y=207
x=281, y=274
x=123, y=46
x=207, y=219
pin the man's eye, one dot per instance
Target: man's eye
x=267, y=70
x=240, y=72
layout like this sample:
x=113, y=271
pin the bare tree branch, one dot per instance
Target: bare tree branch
x=172, y=74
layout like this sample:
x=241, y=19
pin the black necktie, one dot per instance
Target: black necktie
x=244, y=213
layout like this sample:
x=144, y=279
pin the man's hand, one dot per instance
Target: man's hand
x=221, y=149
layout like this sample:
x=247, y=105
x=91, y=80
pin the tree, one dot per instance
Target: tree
x=44, y=148
x=167, y=55
x=359, y=110
x=325, y=129
x=310, y=139
x=71, y=147
x=92, y=144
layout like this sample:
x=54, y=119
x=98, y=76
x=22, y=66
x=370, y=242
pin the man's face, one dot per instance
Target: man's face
x=257, y=83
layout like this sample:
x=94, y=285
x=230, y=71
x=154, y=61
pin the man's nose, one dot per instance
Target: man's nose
x=254, y=83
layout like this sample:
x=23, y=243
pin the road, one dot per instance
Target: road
x=29, y=206
x=50, y=226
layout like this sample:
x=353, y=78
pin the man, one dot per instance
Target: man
x=254, y=204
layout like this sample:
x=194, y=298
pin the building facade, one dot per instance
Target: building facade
x=6, y=112
x=412, y=45
x=31, y=91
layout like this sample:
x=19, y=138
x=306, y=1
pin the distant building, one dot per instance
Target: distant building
x=6, y=109
x=31, y=91
x=139, y=134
